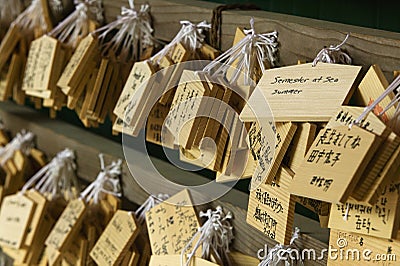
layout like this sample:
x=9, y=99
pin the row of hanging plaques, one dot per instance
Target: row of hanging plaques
x=323, y=134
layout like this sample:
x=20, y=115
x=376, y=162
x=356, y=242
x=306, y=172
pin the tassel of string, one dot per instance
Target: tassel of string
x=214, y=236
x=333, y=54
x=23, y=141
x=76, y=25
x=394, y=122
x=106, y=182
x=31, y=18
x=281, y=253
x=134, y=34
x=57, y=178
x=150, y=202
x=263, y=46
x=190, y=35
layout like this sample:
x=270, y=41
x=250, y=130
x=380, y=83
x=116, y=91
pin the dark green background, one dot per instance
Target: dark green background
x=382, y=14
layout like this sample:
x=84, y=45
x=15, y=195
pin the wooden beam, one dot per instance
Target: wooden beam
x=300, y=38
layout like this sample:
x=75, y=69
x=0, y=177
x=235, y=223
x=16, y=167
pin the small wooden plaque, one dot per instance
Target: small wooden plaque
x=116, y=239
x=271, y=208
x=379, y=220
x=170, y=226
x=15, y=216
x=314, y=93
x=334, y=163
x=68, y=223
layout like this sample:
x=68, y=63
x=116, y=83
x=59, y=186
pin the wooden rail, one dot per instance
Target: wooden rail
x=300, y=38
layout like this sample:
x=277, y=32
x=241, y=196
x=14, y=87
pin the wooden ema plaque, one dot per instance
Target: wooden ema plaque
x=373, y=84
x=142, y=102
x=8, y=44
x=76, y=252
x=116, y=239
x=37, y=217
x=75, y=69
x=348, y=248
x=15, y=216
x=379, y=220
x=298, y=148
x=12, y=77
x=141, y=72
x=268, y=152
x=187, y=104
x=390, y=141
x=314, y=93
x=334, y=163
x=171, y=226
x=389, y=172
x=271, y=207
x=67, y=225
x=158, y=113
x=172, y=74
x=41, y=67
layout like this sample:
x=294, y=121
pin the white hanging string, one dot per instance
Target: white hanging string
x=281, y=253
x=134, y=33
x=10, y=9
x=107, y=182
x=264, y=46
x=57, y=178
x=390, y=89
x=333, y=54
x=214, y=236
x=150, y=202
x=190, y=35
x=23, y=141
x=31, y=18
x=57, y=6
x=76, y=25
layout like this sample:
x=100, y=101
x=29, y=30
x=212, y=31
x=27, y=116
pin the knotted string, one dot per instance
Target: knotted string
x=394, y=123
x=76, y=25
x=333, y=55
x=57, y=6
x=264, y=46
x=23, y=141
x=31, y=18
x=134, y=33
x=150, y=202
x=57, y=178
x=107, y=182
x=282, y=253
x=9, y=11
x=190, y=35
x=214, y=235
